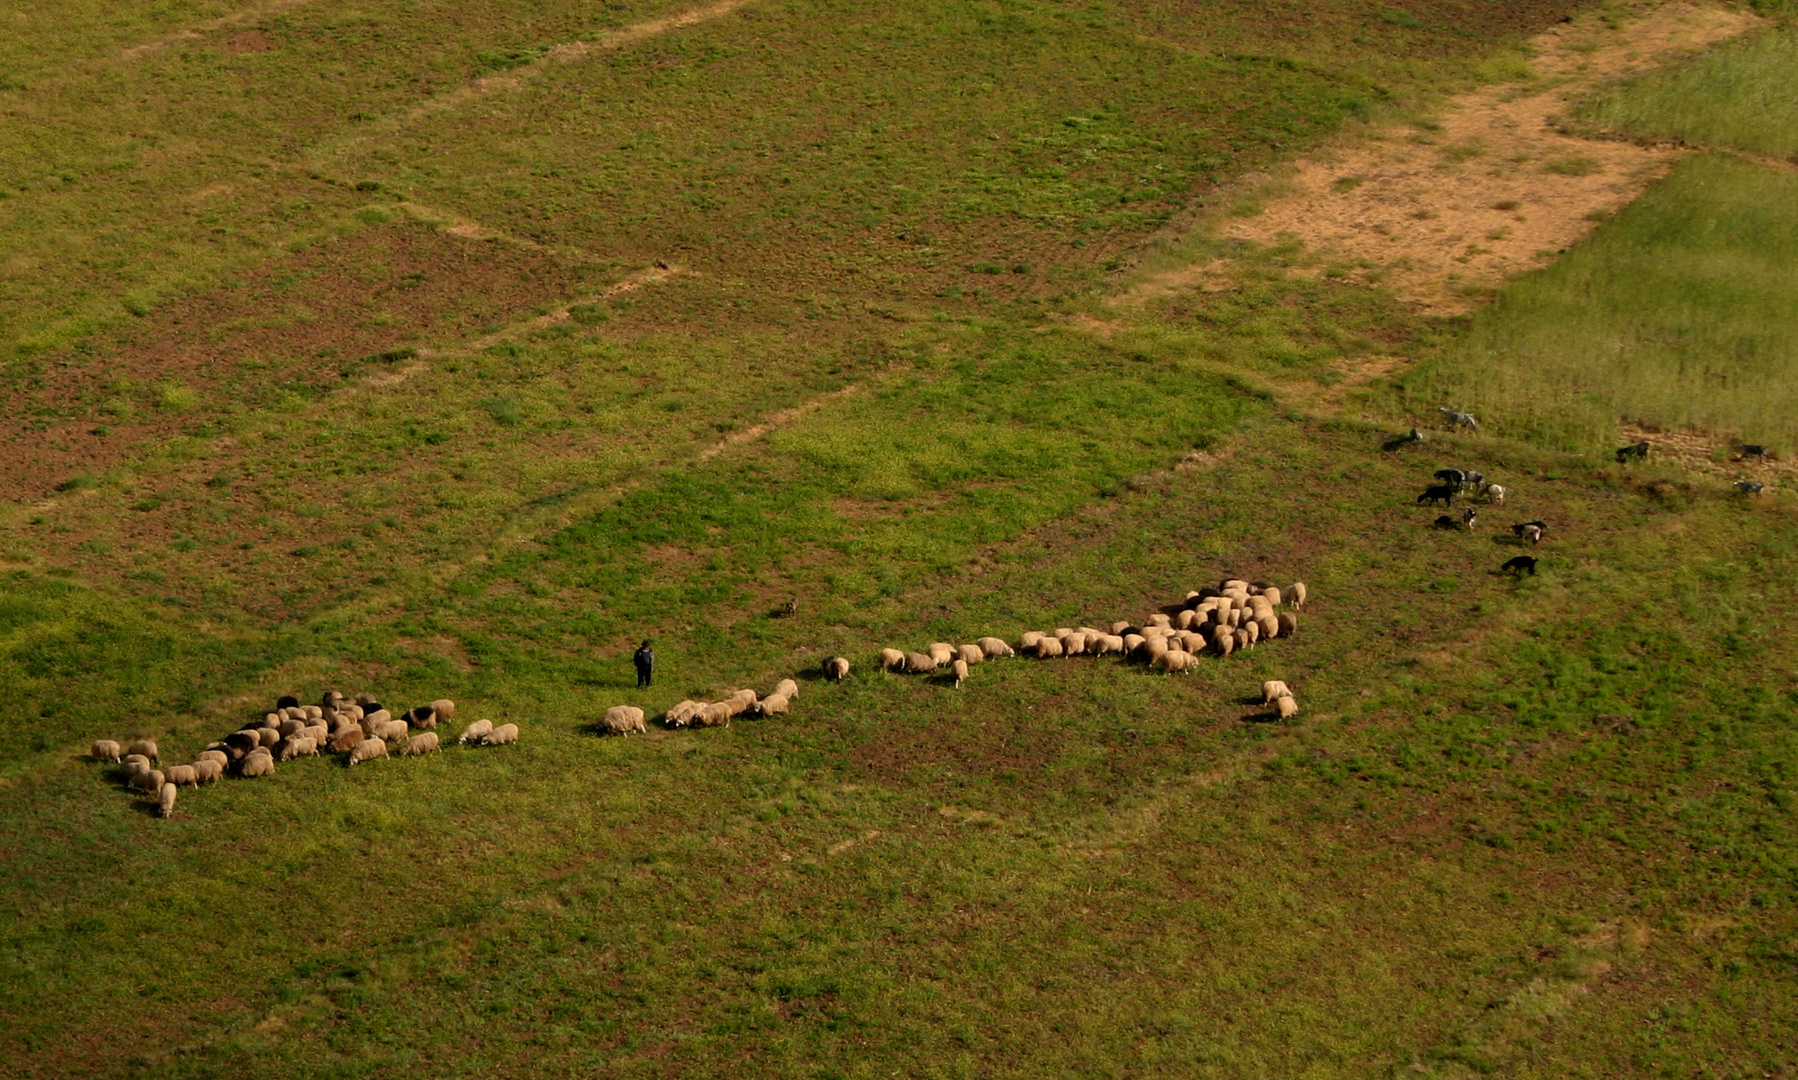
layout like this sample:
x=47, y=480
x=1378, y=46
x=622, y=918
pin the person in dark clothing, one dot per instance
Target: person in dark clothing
x=645, y=659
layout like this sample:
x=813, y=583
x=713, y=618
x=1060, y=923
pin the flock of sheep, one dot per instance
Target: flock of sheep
x=360, y=729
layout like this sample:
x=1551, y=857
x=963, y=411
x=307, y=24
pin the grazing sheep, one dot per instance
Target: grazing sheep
x=1154, y=649
x=313, y=712
x=165, y=800
x=392, y=731
x=268, y=736
x=787, y=688
x=1750, y=487
x=1175, y=660
x=678, y=716
x=960, y=670
x=150, y=780
x=297, y=747
x=1243, y=640
x=146, y=747
x=423, y=743
x=1252, y=628
x=737, y=706
x=941, y=652
x=420, y=716
x=289, y=728
x=1289, y=623
x=1519, y=565
x=1273, y=595
x=444, y=708
x=623, y=719
x=257, y=764
x=1049, y=647
x=836, y=668
x=917, y=661
x=1232, y=583
x=347, y=740
x=1494, y=494
x=330, y=699
x=1274, y=688
x=501, y=735
x=1160, y=619
x=223, y=759
x=1109, y=645
x=1029, y=640
x=892, y=659
x=1529, y=531
x=995, y=648
x=367, y=750
x=352, y=713
x=1636, y=452
x=479, y=729
x=1186, y=618
x=365, y=700
x=775, y=704
x=182, y=774
x=717, y=714
x=970, y=654
x=104, y=750
x=1297, y=593
x=1458, y=419
x=318, y=733
x=1288, y=706
x=1269, y=624
x=1223, y=642
x=208, y=771
x=1073, y=644
x=375, y=718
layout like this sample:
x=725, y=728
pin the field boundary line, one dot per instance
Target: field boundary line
x=236, y=18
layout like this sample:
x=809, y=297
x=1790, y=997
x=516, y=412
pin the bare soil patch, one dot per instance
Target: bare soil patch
x=1445, y=210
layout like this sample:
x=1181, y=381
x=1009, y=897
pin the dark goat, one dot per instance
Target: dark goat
x=1520, y=564
x=1443, y=521
x=1435, y=492
x=1639, y=452
x=1469, y=518
x=1455, y=478
x=1753, y=450
x=1750, y=487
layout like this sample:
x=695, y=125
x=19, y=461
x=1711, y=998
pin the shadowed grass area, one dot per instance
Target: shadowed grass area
x=1677, y=312
x=1740, y=96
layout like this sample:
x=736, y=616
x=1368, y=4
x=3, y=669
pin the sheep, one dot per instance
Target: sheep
x=444, y=708
x=787, y=688
x=1274, y=688
x=477, y=730
x=1443, y=521
x=917, y=661
x=775, y=704
x=365, y=700
x=1454, y=478
x=352, y=713
x=1049, y=647
x=1243, y=640
x=960, y=669
x=208, y=771
x=1494, y=494
x=1297, y=593
x=371, y=720
x=318, y=733
x=286, y=701
x=1458, y=419
x=165, y=800
x=1232, y=583
x=218, y=757
x=367, y=750
x=423, y=743
x=1175, y=660
x=717, y=714
x=420, y=716
x=1288, y=706
x=257, y=764
x=182, y=774
x=1289, y=623
x=1269, y=624
x=1154, y=649
x=1749, y=487
x=268, y=736
x=1519, y=566
x=1185, y=618
x=1529, y=531
x=347, y=740
x=392, y=731
x=1223, y=642
x=892, y=659
x=836, y=669
x=146, y=747
x=1469, y=518
x=995, y=648
x=1027, y=643
x=134, y=759
x=677, y=716
x=290, y=728
x=1634, y=452
x=104, y=750
x=296, y=747
x=737, y=706
x=1160, y=619
x=150, y=780
x=1109, y=645
x=623, y=719
x=1273, y=595
x=970, y=654
x=330, y=699
x=1073, y=644
x=941, y=652
x=501, y=735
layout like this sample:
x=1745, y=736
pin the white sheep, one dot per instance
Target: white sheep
x=994, y=647
x=678, y=715
x=892, y=659
x=475, y=731
x=970, y=654
x=420, y=716
x=772, y=705
x=444, y=708
x=1289, y=624
x=787, y=688
x=257, y=764
x=717, y=714
x=917, y=662
x=1288, y=706
x=623, y=719
x=1223, y=641
x=1074, y=644
x=1120, y=627
x=182, y=774
x=836, y=668
x=738, y=704
x=941, y=652
x=1297, y=592
x=1243, y=640
x=1175, y=660
x=104, y=750
x=1133, y=642
x=1047, y=647
x=1272, y=595
x=165, y=800
x=268, y=736
x=422, y=743
x=501, y=735
x=296, y=747
x=146, y=747
x=208, y=770
x=1027, y=643
x=150, y=780
x=134, y=764
x=960, y=668
x=289, y=728
x=1273, y=689
x=1494, y=494
x=368, y=750
x=1269, y=624
x=393, y=731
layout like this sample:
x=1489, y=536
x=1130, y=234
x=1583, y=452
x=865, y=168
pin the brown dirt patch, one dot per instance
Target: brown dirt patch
x=1444, y=211
x=304, y=324
x=1710, y=453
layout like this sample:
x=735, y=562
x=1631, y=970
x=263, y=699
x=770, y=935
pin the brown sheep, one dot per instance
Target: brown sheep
x=104, y=750
x=347, y=740
x=917, y=662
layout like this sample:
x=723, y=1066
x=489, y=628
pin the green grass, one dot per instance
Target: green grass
x=1677, y=312
x=1741, y=96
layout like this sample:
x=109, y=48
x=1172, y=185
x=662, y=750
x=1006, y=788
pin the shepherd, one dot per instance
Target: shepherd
x=645, y=659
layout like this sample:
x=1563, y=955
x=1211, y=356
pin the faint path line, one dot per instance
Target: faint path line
x=779, y=419
x=249, y=14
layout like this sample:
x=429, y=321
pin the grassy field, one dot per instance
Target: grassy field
x=354, y=368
